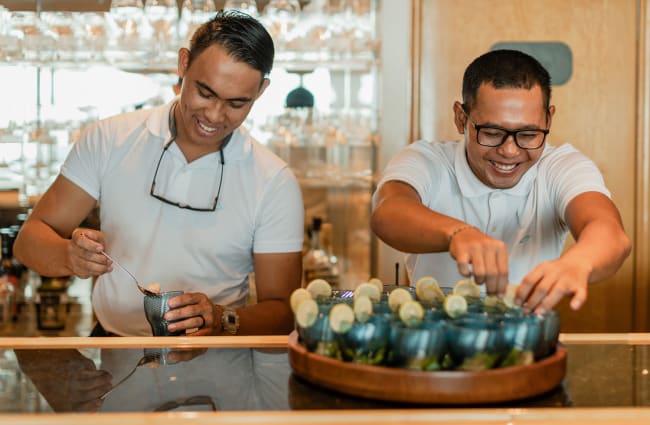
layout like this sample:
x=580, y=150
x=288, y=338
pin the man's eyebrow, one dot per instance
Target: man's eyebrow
x=235, y=99
x=524, y=127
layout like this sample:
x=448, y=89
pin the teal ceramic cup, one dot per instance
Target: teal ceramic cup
x=319, y=337
x=155, y=307
x=550, y=333
x=419, y=348
x=367, y=342
x=522, y=337
x=475, y=344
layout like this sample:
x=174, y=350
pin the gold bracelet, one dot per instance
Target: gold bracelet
x=460, y=229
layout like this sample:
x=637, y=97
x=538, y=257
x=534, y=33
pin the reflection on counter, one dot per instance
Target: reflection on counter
x=134, y=380
x=245, y=379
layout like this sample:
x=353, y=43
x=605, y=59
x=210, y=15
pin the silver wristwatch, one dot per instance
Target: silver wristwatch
x=229, y=321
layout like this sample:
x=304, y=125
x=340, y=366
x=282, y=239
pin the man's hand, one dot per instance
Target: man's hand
x=84, y=254
x=194, y=312
x=551, y=281
x=68, y=381
x=482, y=256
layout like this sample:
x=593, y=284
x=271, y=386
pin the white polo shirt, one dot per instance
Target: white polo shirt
x=260, y=210
x=529, y=217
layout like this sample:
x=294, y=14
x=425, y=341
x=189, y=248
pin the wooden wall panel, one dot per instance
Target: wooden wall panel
x=596, y=108
x=642, y=231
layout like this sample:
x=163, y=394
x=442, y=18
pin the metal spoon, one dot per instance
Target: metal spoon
x=140, y=287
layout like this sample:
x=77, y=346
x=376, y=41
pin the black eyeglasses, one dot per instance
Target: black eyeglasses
x=493, y=136
x=177, y=204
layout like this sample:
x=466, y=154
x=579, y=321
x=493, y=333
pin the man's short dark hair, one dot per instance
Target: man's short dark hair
x=505, y=69
x=242, y=36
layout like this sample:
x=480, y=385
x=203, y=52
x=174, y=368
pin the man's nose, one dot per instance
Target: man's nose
x=215, y=112
x=509, y=146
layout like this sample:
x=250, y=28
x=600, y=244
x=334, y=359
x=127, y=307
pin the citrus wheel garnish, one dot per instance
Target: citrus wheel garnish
x=509, y=298
x=494, y=304
x=297, y=297
x=306, y=313
x=319, y=288
x=411, y=313
x=362, y=308
x=378, y=283
x=467, y=288
x=397, y=297
x=455, y=305
x=341, y=318
x=427, y=289
x=369, y=290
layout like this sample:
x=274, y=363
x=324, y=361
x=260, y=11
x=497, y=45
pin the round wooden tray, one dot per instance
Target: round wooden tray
x=440, y=387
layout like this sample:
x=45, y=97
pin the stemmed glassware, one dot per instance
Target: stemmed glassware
x=246, y=6
x=193, y=14
x=127, y=18
x=162, y=16
x=280, y=18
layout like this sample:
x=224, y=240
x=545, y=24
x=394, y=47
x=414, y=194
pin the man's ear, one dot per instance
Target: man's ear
x=551, y=112
x=263, y=86
x=460, y=118
x=183, y=61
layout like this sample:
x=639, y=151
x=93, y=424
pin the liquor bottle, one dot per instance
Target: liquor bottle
x=11, y=269
x=327, y=242
x=316, y=262
x=7, y=291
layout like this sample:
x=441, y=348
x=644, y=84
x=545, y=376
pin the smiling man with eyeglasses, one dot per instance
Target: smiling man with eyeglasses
x=188, y=199
x=498, y=205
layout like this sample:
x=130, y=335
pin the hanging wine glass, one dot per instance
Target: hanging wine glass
x=246, y=6
x=280, y=18
x=162, y=16
x=127, y=15
x=126, y=18
x=193, y=14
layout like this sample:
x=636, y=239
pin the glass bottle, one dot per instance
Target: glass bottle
x=7, y=288
x=327, y=242
x=316, y=262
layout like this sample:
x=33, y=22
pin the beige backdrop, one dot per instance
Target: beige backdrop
x=596, y=108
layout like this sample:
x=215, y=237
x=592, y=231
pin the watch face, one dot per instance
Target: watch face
x=230, y=321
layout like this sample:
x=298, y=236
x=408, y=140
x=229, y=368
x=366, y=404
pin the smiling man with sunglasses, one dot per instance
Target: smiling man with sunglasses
x=188, y=199
x=499, y=204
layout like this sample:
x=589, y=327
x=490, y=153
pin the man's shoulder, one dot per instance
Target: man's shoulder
x=123, y=123
x=561, y=154
x=436, y=146
x=438, y=149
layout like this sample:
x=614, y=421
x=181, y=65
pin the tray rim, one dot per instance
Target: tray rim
x=429, y=387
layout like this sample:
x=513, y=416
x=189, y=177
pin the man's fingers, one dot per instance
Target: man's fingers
x=579, y=298
x=464, y=265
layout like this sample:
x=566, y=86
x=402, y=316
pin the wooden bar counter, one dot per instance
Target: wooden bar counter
x=244, y=380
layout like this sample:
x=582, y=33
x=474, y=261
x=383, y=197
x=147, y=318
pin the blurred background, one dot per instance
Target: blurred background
x=353, y=82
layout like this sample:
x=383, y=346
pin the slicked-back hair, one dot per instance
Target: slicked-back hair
x=242, y=36
x=505, y=69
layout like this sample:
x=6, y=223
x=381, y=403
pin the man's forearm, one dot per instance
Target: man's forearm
x=604, y=245
x=268, y=317
x=41, y=249
x=409, y=226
